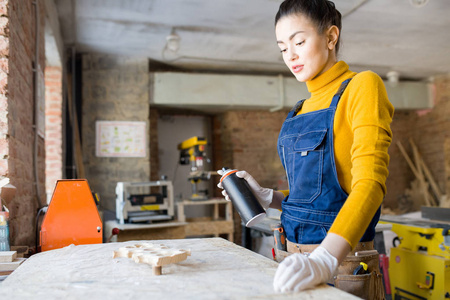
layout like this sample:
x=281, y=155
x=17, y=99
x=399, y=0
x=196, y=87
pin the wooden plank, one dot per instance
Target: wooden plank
x=414, y=196
x=428, y=198
x=177, y=232
x=22, y=251
x=431, y=180
x=211, y=201
x=11, y=266
x=206, y=228
x=427, y=173
x=6, y=273
x=139, y=226
x=7, y=256
x=447, y=167
x=408, y=160
x=420, y=177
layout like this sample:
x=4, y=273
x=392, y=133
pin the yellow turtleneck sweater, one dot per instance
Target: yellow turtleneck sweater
x=362, y=136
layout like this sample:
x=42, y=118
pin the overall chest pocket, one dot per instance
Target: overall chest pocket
x=305, y=166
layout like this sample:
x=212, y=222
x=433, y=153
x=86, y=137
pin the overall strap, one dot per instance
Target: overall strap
x=339, y=93
x=293, y=112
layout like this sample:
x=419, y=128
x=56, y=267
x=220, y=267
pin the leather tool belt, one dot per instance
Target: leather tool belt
x=368, y=285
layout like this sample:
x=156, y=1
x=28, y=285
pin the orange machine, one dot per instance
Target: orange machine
x=72, y=216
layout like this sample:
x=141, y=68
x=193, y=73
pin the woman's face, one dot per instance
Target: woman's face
x=304, y=50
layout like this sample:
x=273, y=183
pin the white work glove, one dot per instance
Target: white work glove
x=264, y=195
x=300, y=272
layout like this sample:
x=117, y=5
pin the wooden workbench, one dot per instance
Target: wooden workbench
x=216, y=269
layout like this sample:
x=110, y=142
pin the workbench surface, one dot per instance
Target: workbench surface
x=216, y=269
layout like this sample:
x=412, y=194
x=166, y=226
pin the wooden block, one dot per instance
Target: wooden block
x=5, y=273
x=7, y=256
x=157, y=270
x=11, y=266
x=7, y=193
x=156, y=255
x=22, y=251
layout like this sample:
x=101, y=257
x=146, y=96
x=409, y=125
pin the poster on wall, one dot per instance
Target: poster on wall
x=120, y=139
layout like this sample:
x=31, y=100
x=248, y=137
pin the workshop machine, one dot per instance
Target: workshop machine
x=419, y=264
x=138, y=202
x=72, y=216
x=192, y=151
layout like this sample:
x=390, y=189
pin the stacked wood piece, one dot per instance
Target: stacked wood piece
x=156, y=255
x=9, y=262
x=425, y=184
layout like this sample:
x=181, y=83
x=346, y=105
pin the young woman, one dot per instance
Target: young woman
x=334, y=148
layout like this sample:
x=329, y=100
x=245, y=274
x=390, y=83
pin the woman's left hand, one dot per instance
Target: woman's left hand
x=300, y=272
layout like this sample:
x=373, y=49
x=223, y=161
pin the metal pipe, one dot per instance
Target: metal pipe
x=73, y=79
x=36, y=102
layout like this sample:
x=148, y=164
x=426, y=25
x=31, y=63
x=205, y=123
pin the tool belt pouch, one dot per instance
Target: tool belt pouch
x=367, y=286
x=281, y=255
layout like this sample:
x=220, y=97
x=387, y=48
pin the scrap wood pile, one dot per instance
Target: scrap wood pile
x=424, y=189
x=9, y=261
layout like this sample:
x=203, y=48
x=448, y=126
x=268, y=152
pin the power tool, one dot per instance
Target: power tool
x=192, y=151
x=419, y=264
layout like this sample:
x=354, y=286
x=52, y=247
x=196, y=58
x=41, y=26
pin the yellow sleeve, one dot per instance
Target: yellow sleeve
x=285, y=192
x=369, y=113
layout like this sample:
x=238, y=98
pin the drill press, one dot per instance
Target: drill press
x=192, y=151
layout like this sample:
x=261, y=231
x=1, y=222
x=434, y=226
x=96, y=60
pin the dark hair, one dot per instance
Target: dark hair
x=322, y=12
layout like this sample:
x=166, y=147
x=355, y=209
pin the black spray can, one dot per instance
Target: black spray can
x=242, y=197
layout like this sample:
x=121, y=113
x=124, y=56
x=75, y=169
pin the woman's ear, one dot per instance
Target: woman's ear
x=332, y=37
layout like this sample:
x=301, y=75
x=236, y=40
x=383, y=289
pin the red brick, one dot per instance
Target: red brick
x=3, y=167
x=4, y=26
x=4, y=7
x=4, y=46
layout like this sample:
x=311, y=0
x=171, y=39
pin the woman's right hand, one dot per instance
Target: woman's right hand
x=264, y=195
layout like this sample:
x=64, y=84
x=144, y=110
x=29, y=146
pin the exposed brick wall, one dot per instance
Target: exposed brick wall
x=53, y=128
x=17, y=54
x=114, y=89
x=428, y=129
x=247, y=140
x=4, y=71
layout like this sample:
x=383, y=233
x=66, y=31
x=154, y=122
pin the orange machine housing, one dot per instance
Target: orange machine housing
x=72, y=217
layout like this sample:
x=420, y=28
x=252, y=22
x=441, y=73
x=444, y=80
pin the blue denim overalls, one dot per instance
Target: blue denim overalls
x=305, y=147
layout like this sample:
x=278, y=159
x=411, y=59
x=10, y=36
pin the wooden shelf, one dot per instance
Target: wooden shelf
x=157, y=231
x=216, y=226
